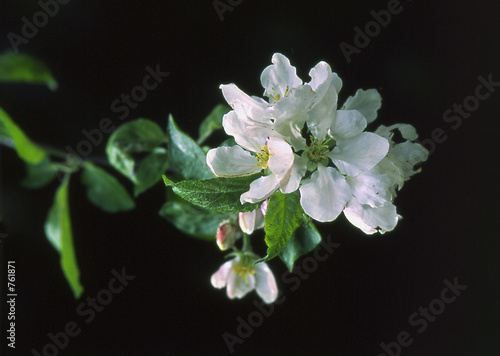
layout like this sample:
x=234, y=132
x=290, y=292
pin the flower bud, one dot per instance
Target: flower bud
x=227, y=234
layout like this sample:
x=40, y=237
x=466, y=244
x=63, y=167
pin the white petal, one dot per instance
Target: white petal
x=260, y=189
x=232, y=161
x=326, y=84
x=321, y=116
x=219, y=278
x=250, y=221
x=322, y=74
x=281, y=159
x=354, y=213
x=407, y=131
x=359, y=154
x=265, y=283
x=367, y=102
x=255, y=108
x=290, y=114
x=371, y=220
x=247, y=221
x=290, y=129
x=298, y=99
x=371, y=188
x=291, y=181
x=325, y=194
x=238, y=286
x=406, y=155
x=279, y=76
x=391, y=170
x=239, y=129
x=347, y=124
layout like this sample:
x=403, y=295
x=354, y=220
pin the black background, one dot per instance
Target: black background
x=428, y=58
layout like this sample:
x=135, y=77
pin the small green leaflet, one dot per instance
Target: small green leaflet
x=25, y=148
x=150, y=169
x=283, y=217
x=38, y=175
x=58, y=231
x=104, y=190
x=22, y=68
x=133, y=149
x=220, y=194
x=192, y=220
x=303, y=241
x=186, y=155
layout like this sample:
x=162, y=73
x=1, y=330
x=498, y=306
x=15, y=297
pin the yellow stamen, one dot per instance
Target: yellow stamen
x=263, y=157
x=243, y=272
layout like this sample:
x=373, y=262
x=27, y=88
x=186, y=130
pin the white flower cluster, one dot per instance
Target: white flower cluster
x=301, y=140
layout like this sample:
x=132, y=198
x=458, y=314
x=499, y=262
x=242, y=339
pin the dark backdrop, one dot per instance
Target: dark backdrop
x=427, y=58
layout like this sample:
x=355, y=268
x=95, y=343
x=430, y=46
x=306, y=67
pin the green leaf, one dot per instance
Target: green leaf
x=212, y=122
x=151, y=169
x=104, y=190
x=58, y=231
x=186, y=155
x=22, y=68
x=192, y=220
x=25, y=148
x=138, y=140
x=304, y=240
x=283, y=217
x=38, y=175
x=217, y=194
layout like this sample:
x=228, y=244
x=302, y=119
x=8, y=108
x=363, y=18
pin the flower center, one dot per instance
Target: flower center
x=243, y=272
x=263, y=157
x=318, y=149
x=276, y=95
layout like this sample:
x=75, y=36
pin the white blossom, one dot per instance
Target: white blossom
x=337, y=166
x=240, y=278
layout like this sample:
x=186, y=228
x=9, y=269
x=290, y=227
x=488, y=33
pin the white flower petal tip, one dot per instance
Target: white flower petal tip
x=371, y=220
x=232, y=162
x=278, y=78
x=367, y=102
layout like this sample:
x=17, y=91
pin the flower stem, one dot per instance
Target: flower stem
x=246, y=243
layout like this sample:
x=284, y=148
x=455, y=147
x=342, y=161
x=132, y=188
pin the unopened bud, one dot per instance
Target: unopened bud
x=227, y=234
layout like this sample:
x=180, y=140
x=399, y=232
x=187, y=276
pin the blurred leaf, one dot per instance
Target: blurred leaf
x=283, y=217
x=221, y=195
x=104, y=190
x=4, y=133
x=150, y=170
x=186, y=155
x=136, y=141
x=58, y=231
x=22, y=68
x=304, y=240
x=230, y=142
x=212, y=122
x=38, y=175
x=192, y=220
x=26, y=149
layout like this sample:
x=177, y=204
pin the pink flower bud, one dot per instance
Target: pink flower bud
x=227, y=234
